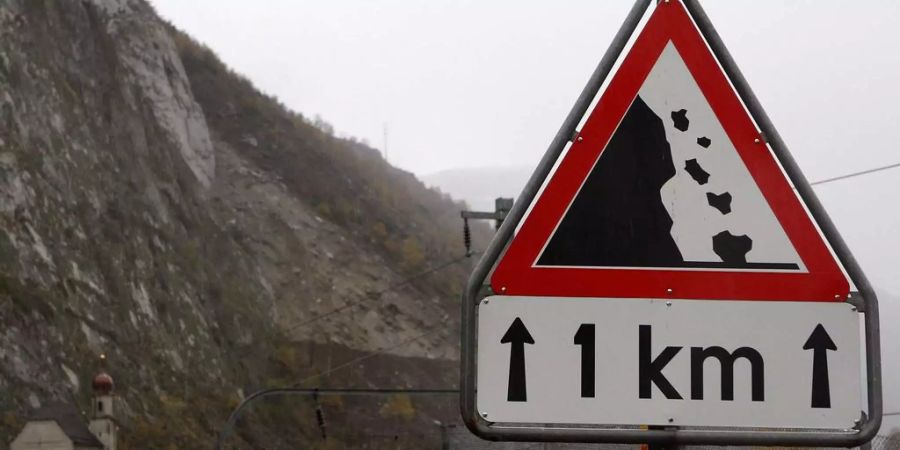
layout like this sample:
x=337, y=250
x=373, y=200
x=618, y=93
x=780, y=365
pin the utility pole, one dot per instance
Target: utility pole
x=445, y=436
x=502, y=206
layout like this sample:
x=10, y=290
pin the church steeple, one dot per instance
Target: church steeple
x=103, y=424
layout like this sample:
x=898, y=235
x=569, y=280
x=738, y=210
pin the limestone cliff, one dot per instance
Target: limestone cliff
x=156, y=208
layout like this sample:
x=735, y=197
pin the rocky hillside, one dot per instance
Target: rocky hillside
x=156, y=208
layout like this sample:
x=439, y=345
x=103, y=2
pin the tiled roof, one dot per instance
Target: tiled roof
x=71, y=422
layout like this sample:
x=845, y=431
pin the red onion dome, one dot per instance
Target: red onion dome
x=103, y=383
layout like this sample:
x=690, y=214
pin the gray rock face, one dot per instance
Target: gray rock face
x=104, y=160
x=134, y=224
x=150, y=62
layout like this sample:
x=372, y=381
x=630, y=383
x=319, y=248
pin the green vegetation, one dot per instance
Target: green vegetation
x=399, y=405
x=346, y=181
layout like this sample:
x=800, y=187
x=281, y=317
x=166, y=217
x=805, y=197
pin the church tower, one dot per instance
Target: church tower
x=103, y=423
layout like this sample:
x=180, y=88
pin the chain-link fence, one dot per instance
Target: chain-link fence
x=382, y=420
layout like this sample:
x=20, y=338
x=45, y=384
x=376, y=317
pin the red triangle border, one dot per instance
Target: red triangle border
x=515, y=273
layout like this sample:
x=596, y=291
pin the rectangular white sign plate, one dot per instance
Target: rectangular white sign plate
x=714, y=363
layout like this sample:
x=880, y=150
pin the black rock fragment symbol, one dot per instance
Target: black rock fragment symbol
x=722, y=201
x=680, y=119
x=703, y=142
x=697, y=173
x=732, y=249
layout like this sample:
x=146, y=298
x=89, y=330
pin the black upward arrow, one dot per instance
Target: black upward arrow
x=518, y=336
x=820, y=342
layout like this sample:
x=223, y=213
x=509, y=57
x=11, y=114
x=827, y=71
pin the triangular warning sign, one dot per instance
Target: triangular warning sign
x=670, y=191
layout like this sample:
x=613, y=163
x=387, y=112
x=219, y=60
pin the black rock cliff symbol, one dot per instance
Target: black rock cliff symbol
x=732, y=249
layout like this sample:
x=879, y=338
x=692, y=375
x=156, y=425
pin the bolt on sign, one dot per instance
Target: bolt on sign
x=674, y=280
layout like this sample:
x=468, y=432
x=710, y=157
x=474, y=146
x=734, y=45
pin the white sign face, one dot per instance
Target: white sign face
x=677, y=363
x=694, y=222
x=705, y=189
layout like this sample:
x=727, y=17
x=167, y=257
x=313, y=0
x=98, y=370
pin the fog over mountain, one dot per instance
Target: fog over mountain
x=479, y=186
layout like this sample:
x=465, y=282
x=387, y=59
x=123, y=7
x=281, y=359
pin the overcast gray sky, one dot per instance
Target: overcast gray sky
x=485, y=83
x=464, y=83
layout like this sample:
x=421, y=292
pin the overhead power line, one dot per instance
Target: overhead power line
x=451, y=262
x=391, y=287
x=856, y=174
x=429, y=329
x=366, y=356
x=227, y=429
x=380, y=292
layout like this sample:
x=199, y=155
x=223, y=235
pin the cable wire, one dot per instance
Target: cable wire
x=407, y=280
x=855, y=174
x=227, y=429
x=363, y=358
x=451, y=262
x=378, y=293
x=354, y=303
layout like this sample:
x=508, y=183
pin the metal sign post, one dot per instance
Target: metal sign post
x=531, y=362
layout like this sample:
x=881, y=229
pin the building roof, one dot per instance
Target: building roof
x=69, y=419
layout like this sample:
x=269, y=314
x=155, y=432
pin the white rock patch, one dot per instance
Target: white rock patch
x=670, y=87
